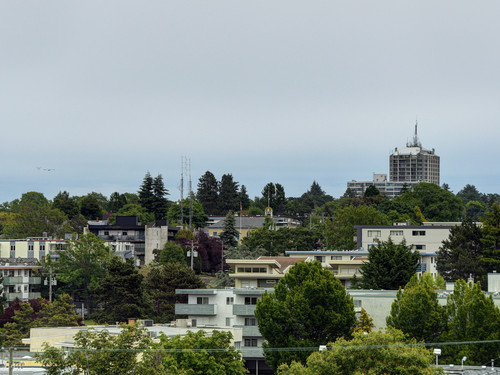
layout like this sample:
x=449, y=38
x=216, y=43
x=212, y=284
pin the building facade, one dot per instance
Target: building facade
x=389, y=189
x=414, y=164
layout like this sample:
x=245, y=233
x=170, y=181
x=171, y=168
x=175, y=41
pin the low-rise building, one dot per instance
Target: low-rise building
x=19, y=280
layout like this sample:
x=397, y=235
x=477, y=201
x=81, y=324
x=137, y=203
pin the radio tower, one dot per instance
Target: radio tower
x=182, y=190
x=190, y=198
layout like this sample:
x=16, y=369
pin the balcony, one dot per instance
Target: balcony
x=252, y=352
x=192, y=309
x=245, y=310
x=249, y=331
x=13, y=280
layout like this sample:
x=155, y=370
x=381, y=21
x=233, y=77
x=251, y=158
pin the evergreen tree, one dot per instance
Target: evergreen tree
x=146, y=193
x=390, y=266
x=491, y=238
x=160, y=202
x=244, y=200
x=66, y=204
x=90, y=207
x=121, y=293
x=460, y=255
x=228, y=194
x=208, y=193
x=117, y=201
x=230, y=234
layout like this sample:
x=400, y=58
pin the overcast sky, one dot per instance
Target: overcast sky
x=282, y=91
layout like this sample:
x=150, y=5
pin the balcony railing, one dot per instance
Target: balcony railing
x=245, y=310
x=195, y=309
x=13, y=280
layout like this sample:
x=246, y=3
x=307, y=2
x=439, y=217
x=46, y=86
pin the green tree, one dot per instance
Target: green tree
x=229, y=234
x=90, y=207
x=364, y=323
x=146, y=193
x=59, y=313
x=100, y=353
x=389, y=266
x=117, y=201
x=416, y=311
x=339, y=232
x=471, y=316
x=67, y=204
x=371, y=191
x=19, y=328
x=160, y=202
x=243, y=198
x=171, y=253
x=208, y=193
x=196, y=353
x=81, y=266
x=376, y=353
x=121, y=293
x=133, y=209
x=199, y=218
x=491, y=238
x=228, y=194
x=475, y=209
x=309, y=307
x=161, y=283
x=470, y=193
x=461, y=254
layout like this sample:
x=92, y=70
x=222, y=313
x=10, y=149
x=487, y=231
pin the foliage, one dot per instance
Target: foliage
x=133, y=209
x=470, y=193
x=243, y=252
x=37, y=313
x=210, y=252
x=117, y=201
x=229, y=234
x=276, y=242
x=162, y=281
x=100, y=353
x=435, y=282
x=472, y=316
x=199, y=218
x=67, y=204
x=243, y=198
x=460, y=255
x=81, y=266
x=389, y=266
x=90, y=206
x=308, y=308
x=339, y=232
x=160, y=202
x=376, y=353
x=33, y=217
x=121, y=293
x=491, y=238
x=171, y=253
x=146, y=194
x=435, y=203
x=416, y=311
x=208, y=193
x=196, y=353
x=364, y=323
x=228, y=194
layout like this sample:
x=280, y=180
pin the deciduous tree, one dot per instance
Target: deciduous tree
x=309, y=307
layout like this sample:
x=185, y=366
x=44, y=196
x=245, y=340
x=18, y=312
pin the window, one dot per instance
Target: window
x=336, y=257
x=396, y=232
x=250, y=321
x=202, y=300
x=31, y=246
x=228, y=322
x=193, y=322
x=250, y=342
x=357, y=302
x=319, y=258
x=374, y=233
x=106, y=233
x=124, y=233
x=251, y=300
x=42, y=246
x=419, y=247
x=418, y=233
x=229, y=300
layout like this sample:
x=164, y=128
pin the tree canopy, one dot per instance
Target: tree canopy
x=389, y=266
x=309, y=307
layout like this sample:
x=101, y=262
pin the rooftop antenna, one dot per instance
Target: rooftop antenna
x=416, y=142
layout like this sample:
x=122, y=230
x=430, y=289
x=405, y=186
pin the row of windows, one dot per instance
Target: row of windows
x=252, y=269
x=378, y=233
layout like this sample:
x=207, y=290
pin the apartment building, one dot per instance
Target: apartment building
x=19, y=280
x=389, y=189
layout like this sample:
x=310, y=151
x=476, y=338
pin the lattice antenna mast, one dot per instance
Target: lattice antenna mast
x=416, y=141
x=190, y=197
x=182, y=191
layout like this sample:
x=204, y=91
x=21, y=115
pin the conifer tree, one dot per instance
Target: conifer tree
x=230, y=234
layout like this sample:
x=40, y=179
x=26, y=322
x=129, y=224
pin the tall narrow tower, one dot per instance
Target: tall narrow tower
x=414, y=163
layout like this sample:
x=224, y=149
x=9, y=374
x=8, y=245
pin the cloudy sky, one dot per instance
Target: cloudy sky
x=283, y=91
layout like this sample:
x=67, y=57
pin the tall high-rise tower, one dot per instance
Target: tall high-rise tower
x=414, y=163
